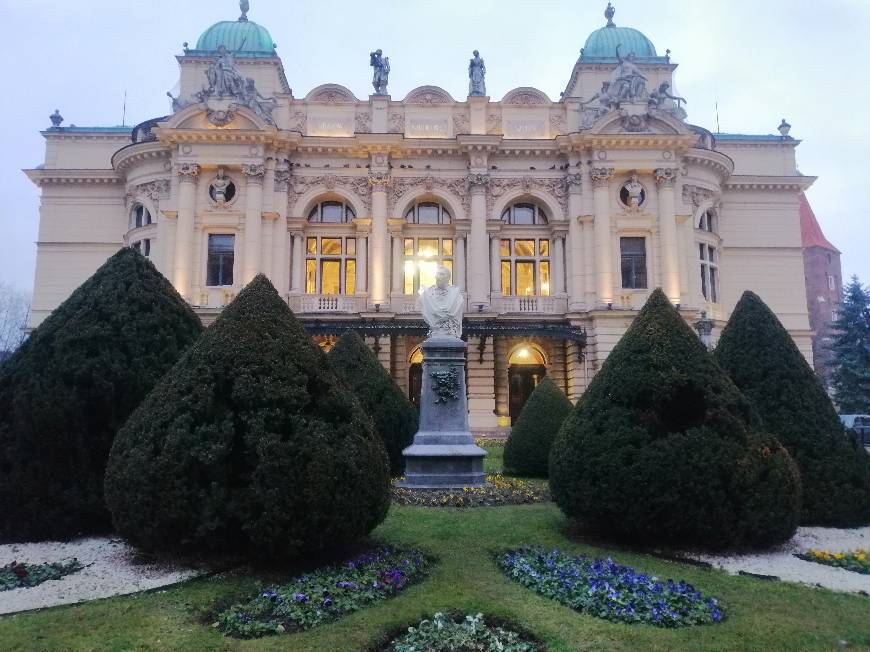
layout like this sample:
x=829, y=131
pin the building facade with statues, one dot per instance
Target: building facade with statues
x=555, y=218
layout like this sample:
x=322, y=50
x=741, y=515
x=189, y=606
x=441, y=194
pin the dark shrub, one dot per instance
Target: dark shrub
x=250, y=443
x=761, y=358
x=70, y=387
x=527, y=451
x=395, y=417
x=663, y=447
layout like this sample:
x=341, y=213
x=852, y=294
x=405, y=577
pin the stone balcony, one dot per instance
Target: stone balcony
x=310, y=304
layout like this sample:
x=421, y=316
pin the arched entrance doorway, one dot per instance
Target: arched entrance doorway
x=526, y=367
x=415, y=376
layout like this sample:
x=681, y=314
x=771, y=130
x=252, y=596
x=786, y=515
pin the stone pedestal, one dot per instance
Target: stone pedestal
x=443, y=454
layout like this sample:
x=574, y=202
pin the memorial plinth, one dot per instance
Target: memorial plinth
x=443, y=455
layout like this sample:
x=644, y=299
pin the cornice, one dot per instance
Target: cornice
x=134, y=153
x=763, y=182
x=42, y=177
x=579, y=141
x=281, y=140
x=720, y=163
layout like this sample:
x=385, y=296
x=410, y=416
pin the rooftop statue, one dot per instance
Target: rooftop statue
x=381, y=76
x=226, y=81
x=658, y=100
x=626, y=82
x=245, y=6
x=441, y=306
x=476, y=75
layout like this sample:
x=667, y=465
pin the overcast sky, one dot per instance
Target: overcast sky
x=803, y=60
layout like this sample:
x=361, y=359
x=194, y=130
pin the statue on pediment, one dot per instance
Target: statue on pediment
x=381, y=76
x=476, y=75
x=224, y=78
x=658, y=99
x=626, y=82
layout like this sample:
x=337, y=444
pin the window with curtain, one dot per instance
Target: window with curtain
x=330, y=265
x=525, y=266
x=633, y=262
x=219, y=269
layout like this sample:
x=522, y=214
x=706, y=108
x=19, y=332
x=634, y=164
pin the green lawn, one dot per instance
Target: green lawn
x=760, y=615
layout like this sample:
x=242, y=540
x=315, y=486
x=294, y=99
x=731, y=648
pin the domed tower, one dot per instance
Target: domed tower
x=243, y=37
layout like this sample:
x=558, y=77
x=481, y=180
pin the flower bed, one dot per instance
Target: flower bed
x=498, y=490
x=444, y=633
x=602, y=588
x=16, y=576
x=857, y=561
x=486, y=442
x=325, y=594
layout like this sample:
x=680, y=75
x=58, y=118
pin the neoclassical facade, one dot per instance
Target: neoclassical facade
x=556, y=218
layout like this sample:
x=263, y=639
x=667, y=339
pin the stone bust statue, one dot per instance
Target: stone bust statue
x=441, y=306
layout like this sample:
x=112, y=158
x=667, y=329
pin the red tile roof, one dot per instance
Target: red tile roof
x=811, y=232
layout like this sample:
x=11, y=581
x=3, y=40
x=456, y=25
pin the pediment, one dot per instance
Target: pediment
x=331, y=94
x=223, y=115
x=428, y=95
x=525, y=95
x=639, y=120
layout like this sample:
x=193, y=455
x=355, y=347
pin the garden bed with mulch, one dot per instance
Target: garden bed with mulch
x=498, y=490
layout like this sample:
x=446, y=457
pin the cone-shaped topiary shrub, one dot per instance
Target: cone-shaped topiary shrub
x=70, y=387
x=527, y=451
x=763, y=361
x=395, y=417
x=663, y=447
x=249, y=444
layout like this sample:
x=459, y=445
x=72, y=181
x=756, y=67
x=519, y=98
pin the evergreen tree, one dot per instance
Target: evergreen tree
x=763, y=361
x=394, y=416
x=662, y=447
x=527, y=451
x=72, y=384
x=249, y=444
x=850, y=366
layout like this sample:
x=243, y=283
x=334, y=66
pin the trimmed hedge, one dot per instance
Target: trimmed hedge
x=757, y=352
x=70, y=387
x=664, y=448
x=249, y=444
x=395, y=417
x=527, y=451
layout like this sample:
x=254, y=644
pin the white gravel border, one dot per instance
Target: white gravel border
x=782, y=563
x=111, y=568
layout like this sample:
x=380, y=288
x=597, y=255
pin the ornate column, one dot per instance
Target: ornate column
x=575, y=254
x=557, y=282
x=495, y=264
x=252, y=264
x=280, y=270
x=478, y=276
x=183, y=263
x=297, y=263
x=380, y=269
x=665, y=180
x=459, y=262
x=603, y=246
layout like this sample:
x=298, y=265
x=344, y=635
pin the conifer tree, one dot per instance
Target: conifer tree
x=394, y=416
x=850, y=367
x=662, y=447
x=763, y=361
x=249, y=444
x=72, y=384
x=527, y=451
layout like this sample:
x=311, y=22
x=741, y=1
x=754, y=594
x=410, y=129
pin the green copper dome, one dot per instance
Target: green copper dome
x=602, y=43
x=242, y=36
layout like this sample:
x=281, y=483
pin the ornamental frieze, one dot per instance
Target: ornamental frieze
x=300, y=185
x=696, y=195
x=456, y=186
x=153, y=190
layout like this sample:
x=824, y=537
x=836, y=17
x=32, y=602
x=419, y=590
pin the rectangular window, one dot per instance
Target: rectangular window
x=422, y=258
x=526, y=278
x=831, y=284
x=447, y=247
x=427, y=249
x=409, y=246
x=545, y=278
x=410, y=268
x=524, y=248
x=350, y=247
x=505, y=247
x=714, y=284
x=506, y=277
x=709, y=273
x=311, y=245
x=330, y=277
x=544, y=248
x=330, y=246
x=633, y=262
x=219, y=268
x=311, y=276
x=350, y=276
x=146, y=247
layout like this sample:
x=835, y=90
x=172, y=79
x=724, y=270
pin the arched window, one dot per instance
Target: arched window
x=427, y=212
x=139, y=216
x=331, y=212
x=709, y=222
x=524, y=213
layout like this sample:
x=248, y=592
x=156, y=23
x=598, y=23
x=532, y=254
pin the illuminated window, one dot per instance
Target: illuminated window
x=220, y=259
x=709, y=272
x=330, y=265
x=524, y=213
x=422, y=257
x=427, y=212
x=526, y=354
x=633, y=262
x=139, y=216
x=331, y=212
x=525, y=266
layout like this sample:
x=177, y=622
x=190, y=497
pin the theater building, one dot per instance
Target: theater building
x=556, y=218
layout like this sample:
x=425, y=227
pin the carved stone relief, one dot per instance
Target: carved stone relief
x=397, y=123
x=363, y=123
x=299, y=185
x=493, y=123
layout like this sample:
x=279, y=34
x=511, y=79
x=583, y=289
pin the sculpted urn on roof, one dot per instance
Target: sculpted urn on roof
x=441, y=306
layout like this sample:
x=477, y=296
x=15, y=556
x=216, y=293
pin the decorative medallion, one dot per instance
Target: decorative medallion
x=445, y=385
